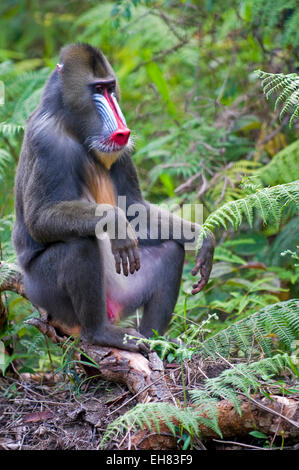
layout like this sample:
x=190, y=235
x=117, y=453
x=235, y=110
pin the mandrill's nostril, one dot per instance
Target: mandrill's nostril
x=121, y=136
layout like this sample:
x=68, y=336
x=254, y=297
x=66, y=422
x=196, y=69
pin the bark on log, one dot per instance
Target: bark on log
x=231, y=423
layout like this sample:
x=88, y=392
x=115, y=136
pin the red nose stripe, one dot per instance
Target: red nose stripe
x=122, y=134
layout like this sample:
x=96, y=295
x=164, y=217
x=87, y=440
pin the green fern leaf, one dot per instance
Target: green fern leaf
x=288, y=88
x=268, y=202
x=280, y=320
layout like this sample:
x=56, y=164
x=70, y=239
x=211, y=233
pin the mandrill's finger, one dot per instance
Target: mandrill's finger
x=117, y=262
x=198, y=287
x=124, y=260
x=196, y=267
x=198, y=264
x=205, y=274
x=137, y=257
x=131, y=261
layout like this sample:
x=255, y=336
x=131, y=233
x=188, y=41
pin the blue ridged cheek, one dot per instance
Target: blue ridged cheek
x=106, y=113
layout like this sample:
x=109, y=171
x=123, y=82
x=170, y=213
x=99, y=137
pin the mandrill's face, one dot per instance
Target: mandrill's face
x=92, y=98
x=115, y=133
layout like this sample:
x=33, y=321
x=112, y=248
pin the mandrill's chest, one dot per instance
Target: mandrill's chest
x=99, y=186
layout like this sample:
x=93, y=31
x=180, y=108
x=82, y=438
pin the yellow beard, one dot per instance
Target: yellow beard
x=107, y=159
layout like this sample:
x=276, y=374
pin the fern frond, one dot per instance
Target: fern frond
x=287, y=88
x=275, y=17
x=152, y=415
x=9, y=129
x=279, y=321
x=226, y=186
x=244, y=378
x=5, y=160
x=283, y=168
x=7, y=270
x=268, y=203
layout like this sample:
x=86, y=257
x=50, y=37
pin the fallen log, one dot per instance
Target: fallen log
x=144, y=377
x=278, y=416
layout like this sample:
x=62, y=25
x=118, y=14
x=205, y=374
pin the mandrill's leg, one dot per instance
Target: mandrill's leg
x=67, y=280
x=158, y=310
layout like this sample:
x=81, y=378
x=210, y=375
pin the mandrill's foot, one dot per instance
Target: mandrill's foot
x=114, y=336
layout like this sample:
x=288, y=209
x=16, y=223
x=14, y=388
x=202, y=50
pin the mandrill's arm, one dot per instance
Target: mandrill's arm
x=50, y=218
x=167, y=226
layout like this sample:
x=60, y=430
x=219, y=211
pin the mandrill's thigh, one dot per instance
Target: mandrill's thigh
x=67, y=280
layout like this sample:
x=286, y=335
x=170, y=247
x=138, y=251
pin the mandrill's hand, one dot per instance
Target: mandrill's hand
x=204, y=263
x=126, y=253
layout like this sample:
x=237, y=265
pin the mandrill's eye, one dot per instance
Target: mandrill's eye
x=111, y=89
x=99, y=89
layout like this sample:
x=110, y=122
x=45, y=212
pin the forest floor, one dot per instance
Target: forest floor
x=72, y=412
x=55, y=412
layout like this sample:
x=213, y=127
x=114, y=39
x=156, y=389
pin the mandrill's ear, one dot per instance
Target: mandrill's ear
x=59, y=67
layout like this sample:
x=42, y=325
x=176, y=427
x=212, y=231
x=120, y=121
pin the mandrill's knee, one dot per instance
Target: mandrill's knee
x=83, y=249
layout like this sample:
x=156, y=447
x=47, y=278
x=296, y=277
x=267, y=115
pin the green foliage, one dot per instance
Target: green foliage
x=22, y=95
x=248, y=274
x=7, y=253
x=288, y=86
x=5, y=161
x=7, y=270
x=265, y=332
x=268, y=203
x=240, y=378
x=9, y=129
x=278, y=16
x=151, y=415
x=283, y=168
x=186, y=73
x=286, y=239
x=272, y=327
